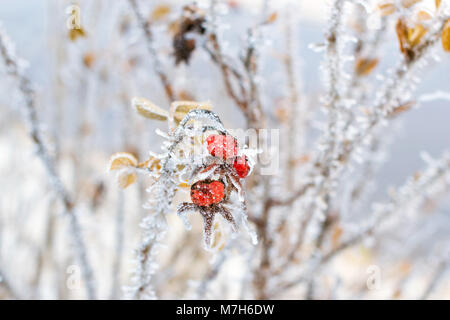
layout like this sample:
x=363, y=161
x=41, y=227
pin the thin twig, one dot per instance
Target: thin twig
x=157, y=64
x=25, y=88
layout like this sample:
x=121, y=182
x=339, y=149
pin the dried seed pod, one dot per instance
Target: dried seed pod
x=191, y=22
x=147, y=109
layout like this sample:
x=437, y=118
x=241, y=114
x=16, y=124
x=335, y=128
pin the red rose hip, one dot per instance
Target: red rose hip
x=222, y=146
x=241, y=166
x=205, y=193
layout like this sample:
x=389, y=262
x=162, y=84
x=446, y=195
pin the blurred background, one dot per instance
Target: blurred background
x=84, y=87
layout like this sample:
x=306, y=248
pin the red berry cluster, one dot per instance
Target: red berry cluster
x=208, y=192
x=225, y=147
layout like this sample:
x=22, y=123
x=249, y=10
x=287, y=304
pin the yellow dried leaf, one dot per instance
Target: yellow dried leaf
x=184, y=185
x=416, y=34
x=149, y=110
x=126, y=177
x=272, y=18
x=423, y=15
x=402, y=34
x=186, y=106
x=89, y=59
x=438, y=3
x=386, y=9
x=409, y=3
x=76, y=33
x=218, y=242
x=152, y=163
x=121, y=160
x=179, y=109
x=446, y=36
x=160, y=12
x=364, y=66
x=178, y=116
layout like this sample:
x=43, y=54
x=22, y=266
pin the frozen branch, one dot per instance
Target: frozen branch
x=435, y=279
x=27, y=91
x=157, y=64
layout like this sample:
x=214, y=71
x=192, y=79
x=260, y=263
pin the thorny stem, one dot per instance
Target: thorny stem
x=157, y=64
x=43, y=153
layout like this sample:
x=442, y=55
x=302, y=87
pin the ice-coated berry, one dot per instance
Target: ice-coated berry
x=205, y=193
x=222, y=146
x=241, y=166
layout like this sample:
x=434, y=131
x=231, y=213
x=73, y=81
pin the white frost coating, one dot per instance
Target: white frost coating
x=162, y=193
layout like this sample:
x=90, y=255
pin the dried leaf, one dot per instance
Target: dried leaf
x=402, y=34
x=218, y=242
x=147, y=109
x=122, y=160
x=400, y=109
x=409, y=37
x=184, y=185
x=152, y=163
x=89, y=59
x=446, y=36
x=386, y=9
x=126, y=177
x=416, y=34
x=423, y=15
x=409, y=3
x=272, y=18
x=76, y=33
x=437, y=3
x=179, y=109
x=364, y=66
x=160, y=12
